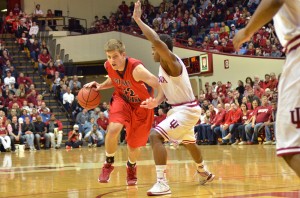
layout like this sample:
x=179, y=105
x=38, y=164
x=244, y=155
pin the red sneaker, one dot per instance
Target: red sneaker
x=107, y=169
x=131, y=176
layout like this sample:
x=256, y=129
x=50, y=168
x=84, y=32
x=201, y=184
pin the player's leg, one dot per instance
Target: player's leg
x=111, y=145
x=293, y=161
x=161, y=186
x=137, y=133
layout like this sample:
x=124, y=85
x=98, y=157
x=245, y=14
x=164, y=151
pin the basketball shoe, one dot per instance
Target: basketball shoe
x=159, y=188
x=107, y=169
x=131, y=176
x=205, y=177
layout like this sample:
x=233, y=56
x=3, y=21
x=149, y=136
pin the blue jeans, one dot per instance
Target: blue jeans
x=217, y=132
x=224, y=133
x=29, y=139
x=249, y=131
x=242, y=132
x=268, y=132
x=41, y=68
x=255, y=134
x=98, y=142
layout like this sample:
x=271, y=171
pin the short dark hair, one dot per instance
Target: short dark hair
x=167, y=40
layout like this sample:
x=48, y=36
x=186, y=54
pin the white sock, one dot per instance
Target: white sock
x=161, y=172
x=109, y=155
x=200, y=167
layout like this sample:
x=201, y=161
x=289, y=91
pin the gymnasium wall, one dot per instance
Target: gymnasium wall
x=90, y=47
x=85, y=9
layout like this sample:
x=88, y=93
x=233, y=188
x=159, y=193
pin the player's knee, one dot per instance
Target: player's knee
x=155, y=136
x=113, y=132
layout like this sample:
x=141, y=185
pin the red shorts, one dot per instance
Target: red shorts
x=138, y=121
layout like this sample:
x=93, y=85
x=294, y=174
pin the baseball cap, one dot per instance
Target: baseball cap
x=75, y=126
x=232, y=25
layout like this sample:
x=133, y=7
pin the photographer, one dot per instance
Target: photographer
x=74, y=138
x=95, y=137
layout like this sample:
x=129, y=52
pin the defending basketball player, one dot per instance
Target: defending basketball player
x=287, y=25
x=133, y=84
x=178, y=127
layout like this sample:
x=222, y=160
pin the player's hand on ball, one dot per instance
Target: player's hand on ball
x=96, y=86
x=149, y=103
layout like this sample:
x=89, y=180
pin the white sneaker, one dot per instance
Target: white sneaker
x=159, y=188
x=274, y=143
x=268, y=143
x=242, y=143
x=205, y=177
x=90, y=145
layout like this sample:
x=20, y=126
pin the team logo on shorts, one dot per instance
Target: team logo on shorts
x=297, y=119
x=174, y=124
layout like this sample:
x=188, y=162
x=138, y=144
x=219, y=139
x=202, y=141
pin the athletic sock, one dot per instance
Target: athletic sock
x=161, y=172
x=110, y=158
x=130, y=164
x=200, y=167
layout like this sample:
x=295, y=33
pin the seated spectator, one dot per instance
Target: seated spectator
x=51, y=23
x=68, y=99
x=9, y=22
x=55, y=130
x=9, y=80
x=60, y=66
x=25, y=114
x=106, y=112
x=34, y=51
x=275, y=52
x=34, y=29
x=45, y=115
x=55, y=82
x=102, y=121
x=74, y=80
x=28, y=131
x=4, y=136
x=95, y=137
x=26, y=81
x=74, y=138
x=87, y=127
x=81, y=119
x=44, y=59
x=41, y=131
x=271, y=124
x=95, y=113
x=15, y=131
x=50, y=71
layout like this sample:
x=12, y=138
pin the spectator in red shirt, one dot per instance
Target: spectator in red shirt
x=9, y=21
x=74, y=140
x=221, y=88
x=230, y=125
x=161, y=116
x=258, y=91
x=267, y=83
x=250, y=49
x=44, y=59
x=24, y=80
x=215, y=29
x=260, y=116
x=102, y=121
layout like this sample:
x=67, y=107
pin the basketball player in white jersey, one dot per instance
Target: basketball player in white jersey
x=287, y=25
x=178, y=127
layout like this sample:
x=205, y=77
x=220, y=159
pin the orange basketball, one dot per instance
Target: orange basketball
x=88, y=98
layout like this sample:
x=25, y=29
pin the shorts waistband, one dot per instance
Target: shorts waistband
x=188, y=104
x=292, y=44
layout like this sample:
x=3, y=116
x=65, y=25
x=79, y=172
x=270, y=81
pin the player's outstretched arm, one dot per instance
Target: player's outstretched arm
x=97, y=86
x=263, y=14
x=140, y=73
x=166, y=55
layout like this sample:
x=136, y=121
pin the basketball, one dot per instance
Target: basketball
x=88, y=98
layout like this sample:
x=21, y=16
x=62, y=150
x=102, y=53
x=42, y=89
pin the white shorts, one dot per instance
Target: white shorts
x=179, y=124
x=288, y=111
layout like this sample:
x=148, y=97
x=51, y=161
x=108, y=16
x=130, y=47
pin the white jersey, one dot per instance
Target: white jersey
x=177, y=90
x=287, y=21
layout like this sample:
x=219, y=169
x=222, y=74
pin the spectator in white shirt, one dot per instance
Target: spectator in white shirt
x=38, y=12
x=34, y=30
x=9, y=80
x=68, y=99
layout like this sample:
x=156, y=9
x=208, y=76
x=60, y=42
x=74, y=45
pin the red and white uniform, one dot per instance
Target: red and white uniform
x=125, y=106
x=181, y=119
x=287, y=25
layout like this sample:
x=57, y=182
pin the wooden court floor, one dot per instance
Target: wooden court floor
x=241, y=171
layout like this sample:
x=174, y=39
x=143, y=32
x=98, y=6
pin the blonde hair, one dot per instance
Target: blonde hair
x=114, y=44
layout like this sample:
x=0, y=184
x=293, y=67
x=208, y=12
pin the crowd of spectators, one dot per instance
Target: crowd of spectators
x=201, y=24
